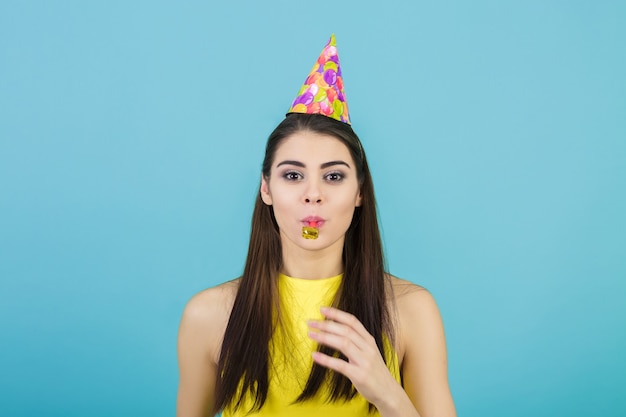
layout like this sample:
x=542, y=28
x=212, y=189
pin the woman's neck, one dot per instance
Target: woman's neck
x=309, y=264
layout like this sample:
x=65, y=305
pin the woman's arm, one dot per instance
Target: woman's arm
x=425, y=364
x=365, y=366
x=199, y=342
x=424, y=368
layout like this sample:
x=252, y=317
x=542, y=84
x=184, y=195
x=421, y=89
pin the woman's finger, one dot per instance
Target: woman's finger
x=336, y=364
x=348, y=319
x=339, y=329
x=341, y=343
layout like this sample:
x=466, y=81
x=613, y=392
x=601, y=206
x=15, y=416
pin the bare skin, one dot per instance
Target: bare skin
x=420, y=346
x=314, y=175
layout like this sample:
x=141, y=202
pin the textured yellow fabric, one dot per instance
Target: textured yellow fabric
x=300, y=300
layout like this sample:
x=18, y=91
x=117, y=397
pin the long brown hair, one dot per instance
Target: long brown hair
x=244, y=360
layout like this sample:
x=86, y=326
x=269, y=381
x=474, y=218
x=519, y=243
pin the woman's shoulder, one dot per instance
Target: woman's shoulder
x=403, y=291
x=206, y=315
x=415, y=309
x=214, y=300
x=411, y=299
x=212, y=305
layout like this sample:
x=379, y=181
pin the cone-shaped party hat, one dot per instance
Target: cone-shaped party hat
x=322, y=92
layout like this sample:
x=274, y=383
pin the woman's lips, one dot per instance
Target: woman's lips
x=313, y=221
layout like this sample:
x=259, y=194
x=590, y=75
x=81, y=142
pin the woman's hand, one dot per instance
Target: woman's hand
x=365, y=366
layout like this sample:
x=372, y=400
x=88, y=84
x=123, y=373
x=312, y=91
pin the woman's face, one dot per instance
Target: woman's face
x=312, y=178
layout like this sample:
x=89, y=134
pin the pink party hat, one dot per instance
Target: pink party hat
x=322, y=92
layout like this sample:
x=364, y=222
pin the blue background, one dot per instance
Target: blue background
x=131, y=138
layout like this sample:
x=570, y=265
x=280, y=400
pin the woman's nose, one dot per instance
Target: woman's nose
x=313, y=193
x=313, y=200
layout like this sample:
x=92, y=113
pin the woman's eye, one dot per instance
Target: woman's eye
x=334, y=176
x=292, y=176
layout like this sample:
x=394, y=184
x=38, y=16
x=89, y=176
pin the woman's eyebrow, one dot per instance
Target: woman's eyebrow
x=324, y=165
x=331, y=163
x=296, y=163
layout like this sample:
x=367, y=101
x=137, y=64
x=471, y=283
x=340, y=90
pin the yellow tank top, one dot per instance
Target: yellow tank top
x=290, y=353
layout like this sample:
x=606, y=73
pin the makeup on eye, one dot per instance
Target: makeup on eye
x=291, y=175
x=332, y=177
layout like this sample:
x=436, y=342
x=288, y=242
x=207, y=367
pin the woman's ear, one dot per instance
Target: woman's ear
x=359, y=200
x=265, y=191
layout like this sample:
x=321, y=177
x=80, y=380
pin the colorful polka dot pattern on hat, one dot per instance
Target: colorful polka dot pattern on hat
x=322, y=92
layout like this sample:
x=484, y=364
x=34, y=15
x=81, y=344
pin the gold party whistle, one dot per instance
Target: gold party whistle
x=310, y=232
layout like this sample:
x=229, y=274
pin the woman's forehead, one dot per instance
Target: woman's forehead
x=311, y=146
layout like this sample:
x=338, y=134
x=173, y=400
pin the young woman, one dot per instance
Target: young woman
x=314, y=326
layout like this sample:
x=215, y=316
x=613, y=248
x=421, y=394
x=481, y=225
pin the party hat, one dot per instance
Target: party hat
x=322, y=92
